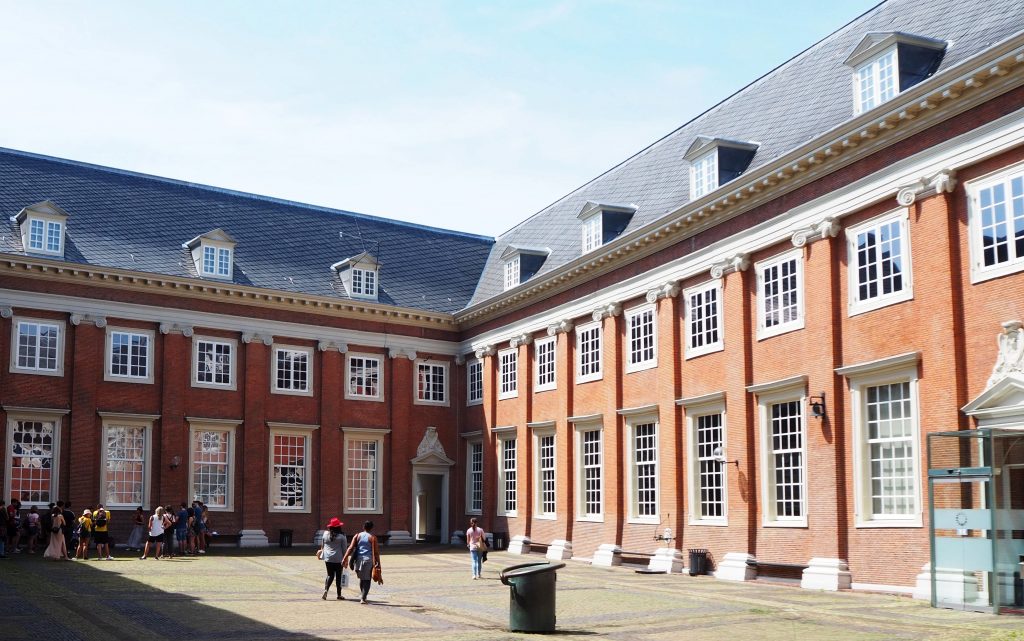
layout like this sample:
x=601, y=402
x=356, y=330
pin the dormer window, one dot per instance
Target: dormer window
x=213, y=254
x=602, y=223
x=521, y=263
x=359, y=275
x=887, y=63
x=716, y=161
x=42, y=228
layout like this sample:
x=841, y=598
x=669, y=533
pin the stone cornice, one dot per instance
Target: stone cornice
x=966, y=85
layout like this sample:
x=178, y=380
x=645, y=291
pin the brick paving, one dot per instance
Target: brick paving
x=427, y=595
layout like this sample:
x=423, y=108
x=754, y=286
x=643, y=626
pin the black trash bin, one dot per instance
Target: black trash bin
x=500, y=540
x=285, y=540
x=698, y=561
x=531, y=605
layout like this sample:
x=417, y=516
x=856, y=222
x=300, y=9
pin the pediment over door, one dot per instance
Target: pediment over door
x=1002, y=402
x=430, y=451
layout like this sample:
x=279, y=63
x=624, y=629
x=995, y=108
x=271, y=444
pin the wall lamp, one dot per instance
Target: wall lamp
x=175, y=462
x=817, y=405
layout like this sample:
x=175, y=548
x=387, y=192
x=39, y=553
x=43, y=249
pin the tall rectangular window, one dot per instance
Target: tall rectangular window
x=645, y=470
x=544, y=352
x=362, y=474
x=209, y=259
x=508, y=361
x=588, y=350
x=643, y=352
x=546, y=473
x=288, y=471
x=214, y=362
x=876, y=82
x=590, y=450
x=431, y=383
x=38, y=347
x=475, y=478
x=997, y=225
x=703, y=322
x=787, y=452
x=711, y=481
x=53, y=236
x=474, y=382
x=291, y=370
x=891, y=455
x=124, y=469
x=363, y=380
x=511, y=272
x=35, y=234
x=592, y=233
x=880, y=262
x=31, y=456
x=508, y=499
x=704, y=174
x=211, y=467
x=779, y=303
x=129, y=355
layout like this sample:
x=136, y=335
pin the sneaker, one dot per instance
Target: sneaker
x=202, y=551
x=324, y=596
x=340, y=598
x=110, y=558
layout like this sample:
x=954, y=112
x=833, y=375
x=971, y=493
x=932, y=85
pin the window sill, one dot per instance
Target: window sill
x=473, y=403
x=717, y=347
x=916, y=522
x=38, y=372
x=287, y=392
x=980, y=274
x=647, y=520
x=508, y=395
x=546, y=388
x=589, y=378
x=507, y=515
x=709, y=523
x=351, y=510
x=641, y=367
x=474, y=512
x=110, y=378
x=863, y=307
x=227, y=388
x=546, y=517
x=778, y=330
x=356, y=397
x=590, y=519
x=785, y=524
x=430, y=403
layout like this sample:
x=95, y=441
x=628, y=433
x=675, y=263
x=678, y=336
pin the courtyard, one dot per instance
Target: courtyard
x=427, y=595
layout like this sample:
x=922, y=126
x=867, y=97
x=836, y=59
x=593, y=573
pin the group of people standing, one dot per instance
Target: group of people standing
x=166, y=530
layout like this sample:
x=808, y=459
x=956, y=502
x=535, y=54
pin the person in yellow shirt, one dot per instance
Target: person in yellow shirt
x=84, y=533
x=100, y=522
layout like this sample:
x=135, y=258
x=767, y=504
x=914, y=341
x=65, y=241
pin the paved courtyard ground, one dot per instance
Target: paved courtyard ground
x=427, y=595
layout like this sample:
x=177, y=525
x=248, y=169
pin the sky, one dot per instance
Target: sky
x=467, y=115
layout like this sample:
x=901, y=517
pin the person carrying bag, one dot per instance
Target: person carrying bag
x=363, y=557
x=476, y=539
x=332, y=547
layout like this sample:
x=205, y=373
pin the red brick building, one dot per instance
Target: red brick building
x=738, y=340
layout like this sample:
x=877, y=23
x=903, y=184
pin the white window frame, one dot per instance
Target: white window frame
x=858, y=305
x=48, y=223
x=979, y=271
x=763, y=331
x=874, y=67
x=232, y=345
x=544, y=348
x=108, y=373
x=474, y=381
x=349, y=392
x=768, y=395
x=598, y=374
x=15, y=368
x=898, y=369
x=41, y=416
x=580, y=429
x=592, y=229
x=147, y=461
x=707, y=405
x=227, y=428
x=702, y=291
x=219, y=251
x=471, y=482
x=365, y=435
x=539, y=434
x=310, y=369
x=304, y=432
x=508, y=373
x=634, y=360
x=368, y=283
x=433, y=365
x=512, y=272
x=704, y=174
x=632, y=484
x=502, y=439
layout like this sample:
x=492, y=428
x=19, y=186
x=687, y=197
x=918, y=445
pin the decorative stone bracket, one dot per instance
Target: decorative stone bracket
x=326, y=345
x=78, y=319
x=486, y=350
x=1010, y=361
x=175, y=328
x=826, y=228
x=612, y=309
x=6, y=312
x=398, y=352
x=943, y=181
x=736, y=263
x=668, y=290
x=560, y=327
x=522, y=339
x=266, y=339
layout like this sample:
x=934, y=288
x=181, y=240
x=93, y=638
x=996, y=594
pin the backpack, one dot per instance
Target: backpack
x=76, y=532
x=101, y=518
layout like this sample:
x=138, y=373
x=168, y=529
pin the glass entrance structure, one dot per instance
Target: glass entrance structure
x=976, y=516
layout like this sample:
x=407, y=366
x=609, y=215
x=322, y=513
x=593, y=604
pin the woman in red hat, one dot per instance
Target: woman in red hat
x=331, y=551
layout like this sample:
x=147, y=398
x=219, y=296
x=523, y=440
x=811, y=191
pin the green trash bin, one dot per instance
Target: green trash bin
x=531, y=605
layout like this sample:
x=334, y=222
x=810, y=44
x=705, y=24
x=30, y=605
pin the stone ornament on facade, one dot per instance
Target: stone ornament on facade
x=826, y=228
x=175, y=328
x=522, y=339
x=398, y=352
x=668, y=290
x=560, y=327
x=1010, y=361
x=460, y=359
x=735, y=263
x=77, y=319
x=607, y=311
x=430, y=444
x=941, y=182
x=6, y=312
x=326, y=345
x=266, y=339
x=486, y=350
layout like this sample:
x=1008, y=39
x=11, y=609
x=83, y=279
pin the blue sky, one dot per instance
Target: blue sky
x=465, y=115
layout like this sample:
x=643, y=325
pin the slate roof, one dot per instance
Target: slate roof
x=798, y=101
x=133, y=221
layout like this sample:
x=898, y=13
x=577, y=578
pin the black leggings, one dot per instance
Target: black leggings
x=364, y=587
x=333, y=575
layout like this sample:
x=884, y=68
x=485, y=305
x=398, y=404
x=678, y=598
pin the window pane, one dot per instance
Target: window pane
x=592, y=472
x=124, y=475
x=289, y=471
x=31, y=460
x=361, y=475
x=711, y=479
x=210, y=467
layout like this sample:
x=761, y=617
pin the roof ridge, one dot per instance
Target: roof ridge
x=665, y=137
x=237, y=193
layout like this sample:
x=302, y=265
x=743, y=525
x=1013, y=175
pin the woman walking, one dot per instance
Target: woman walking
x=365, y=558
x=138, y=536
x=156, y=534
x=477, y=547
x=57, y=549
x=332, y=549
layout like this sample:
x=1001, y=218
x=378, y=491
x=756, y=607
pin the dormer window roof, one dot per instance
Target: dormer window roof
x=521, y=262
x=716, y=161
x=603, y=222
x=886, y=63
x=42, y=228
x=359, y=275
x=213, y=254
